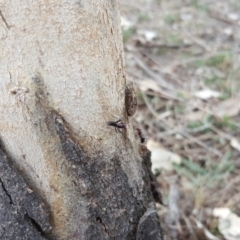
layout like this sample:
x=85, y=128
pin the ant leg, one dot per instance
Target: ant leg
x=119, y=120
x=119, y=130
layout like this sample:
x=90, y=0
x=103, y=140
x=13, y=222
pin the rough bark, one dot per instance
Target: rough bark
x=62, y=78
x=22, y=214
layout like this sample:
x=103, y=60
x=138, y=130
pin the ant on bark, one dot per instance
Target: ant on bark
x=139, y=132
x=119, y=124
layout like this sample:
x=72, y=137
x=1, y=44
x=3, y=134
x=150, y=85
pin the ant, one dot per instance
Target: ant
x=118, y=125
x=139, y=132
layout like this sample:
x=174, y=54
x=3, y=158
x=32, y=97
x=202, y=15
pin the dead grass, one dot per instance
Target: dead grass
x=175, y=51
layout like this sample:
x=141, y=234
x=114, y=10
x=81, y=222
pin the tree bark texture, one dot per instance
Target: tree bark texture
x=62, y=78
x=22, y=214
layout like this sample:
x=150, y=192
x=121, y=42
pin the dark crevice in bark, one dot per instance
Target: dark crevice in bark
x=98, y=219
x=4, y=20
x=5, y=190
x=36, y=225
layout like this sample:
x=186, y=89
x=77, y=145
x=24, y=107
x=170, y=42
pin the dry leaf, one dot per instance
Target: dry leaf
x=207, y=233
x=162, y=158
x=149, y=84
x=233, y=16
x=235, y=144
x=125, y=23
x=194, y=116
x=229, y=108
x=147, y=34
x=228, y=31
x=186, y=16
x=206, y=94
x=29, y=190
x=229, y=223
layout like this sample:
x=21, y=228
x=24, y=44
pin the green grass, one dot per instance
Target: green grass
x=171, y=19
x=174, y=39
x=221, y=60
x=179, y=108
x=127, y=34
x=162, y=51
x=143, y=17
x=226, y=94
x=215, y=60
x=194, y=124
x=201, y=7
x=225, y=123
x=206, y=121
x=214, y=80
x=181, y=95
x=209, y=176
x=193, y=167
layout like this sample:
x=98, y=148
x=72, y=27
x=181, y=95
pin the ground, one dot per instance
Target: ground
x=182, y=57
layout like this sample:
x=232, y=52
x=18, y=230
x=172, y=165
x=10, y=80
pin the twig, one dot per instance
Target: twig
x=202, y=144
x=162, y=45
x=167, y=71
x=222, y=194
x=167, y=133
x=189, y=226
x=163, y=95
x=185, y=133
x=200, y=129
x=199, y=42
x=216, y=116
x=193, y=59
x=207, y=233
x=150, y=73
x=182, y=132
x=233, y=201
x=221, y=133
x=173, y=217
x=221, y=18
x=151, y=109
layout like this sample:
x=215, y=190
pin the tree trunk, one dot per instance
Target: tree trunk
x=62, y=78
